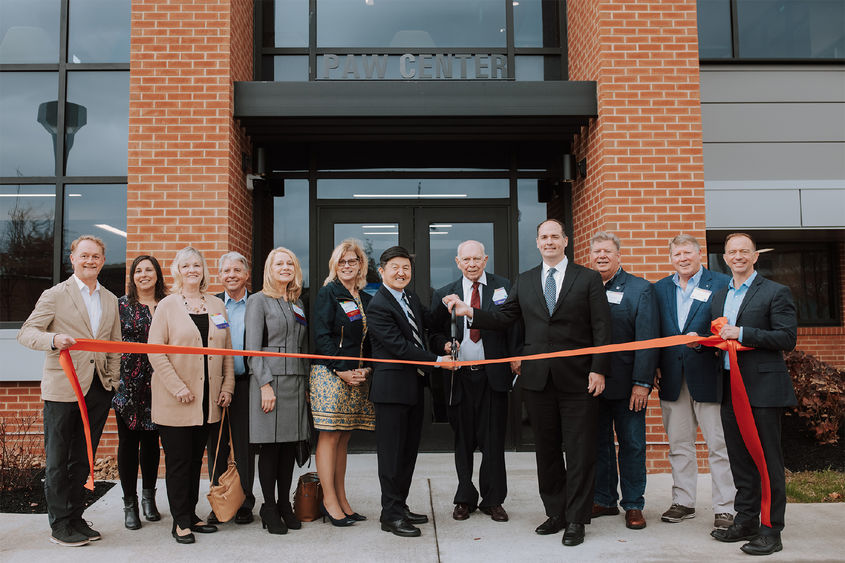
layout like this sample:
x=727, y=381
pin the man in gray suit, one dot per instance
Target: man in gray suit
x=76, y=308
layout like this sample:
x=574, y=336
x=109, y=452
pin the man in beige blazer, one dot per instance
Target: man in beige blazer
x=79, y=307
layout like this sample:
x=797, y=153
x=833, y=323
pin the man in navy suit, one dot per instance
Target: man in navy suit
x=761, y=314
x=477, y=395
x=397, y=322
x=690, y=384
x=622, y=406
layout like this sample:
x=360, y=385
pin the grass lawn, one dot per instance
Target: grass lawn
x=815, y=486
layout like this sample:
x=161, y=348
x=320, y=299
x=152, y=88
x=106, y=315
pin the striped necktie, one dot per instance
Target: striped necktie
x=415, y=330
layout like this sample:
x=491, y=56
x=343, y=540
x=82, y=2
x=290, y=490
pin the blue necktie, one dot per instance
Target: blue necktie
x=550, y=290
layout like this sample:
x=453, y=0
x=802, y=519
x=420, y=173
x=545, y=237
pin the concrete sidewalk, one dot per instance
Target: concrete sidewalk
x=814, y=532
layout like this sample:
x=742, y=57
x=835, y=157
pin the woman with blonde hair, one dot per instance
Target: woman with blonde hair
x=188, y=390
x=278, y=419
x=339, y=388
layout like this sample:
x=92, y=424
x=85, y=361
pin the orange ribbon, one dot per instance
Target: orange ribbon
x=739, y=397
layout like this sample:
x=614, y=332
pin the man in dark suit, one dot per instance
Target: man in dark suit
x=761, y=314
x=563, y=307
x=233, y=270
x=622, y=406
x=690, y=384
x=396, y=323
x=477, y=396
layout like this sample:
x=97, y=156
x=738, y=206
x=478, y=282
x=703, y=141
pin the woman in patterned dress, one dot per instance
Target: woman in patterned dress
x=339, y=388
x=135, y=428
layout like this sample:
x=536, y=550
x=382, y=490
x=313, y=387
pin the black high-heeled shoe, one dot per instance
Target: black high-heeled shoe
x=288, y=516
x=272, y=520
x=340, y=522
x=355, y=517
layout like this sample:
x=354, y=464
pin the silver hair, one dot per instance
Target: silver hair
x=460, y=246
x=231, y=257
x=602, y=236
x=684, y=239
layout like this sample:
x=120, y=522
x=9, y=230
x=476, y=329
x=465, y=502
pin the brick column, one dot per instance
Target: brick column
x=645, y=168
x=186, y=185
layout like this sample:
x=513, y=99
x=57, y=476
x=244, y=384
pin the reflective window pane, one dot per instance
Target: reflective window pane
x=714, y=29
x=536, y=23
x=375, y=239
x=290, y=225
x=98, y=31
x=99, y=210
x=784, y=29
x=531, y=213
x=29, y=31
x=285, y=69
x=285, y=23
x=97, y=139
x=443, y=241
x=26, y=247
x=405, y=188
x=535, y=68
x=27, y=127
x=420, y=24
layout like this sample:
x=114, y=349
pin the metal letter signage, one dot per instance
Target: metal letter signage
x=413, y=66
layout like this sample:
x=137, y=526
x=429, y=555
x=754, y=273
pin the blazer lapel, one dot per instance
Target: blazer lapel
x=537, y=284
x=104, y=311
x=672, y=305
x=755, y=285
x=705, y=283
x=76, y=298
x=568, y=280
x=406, y=326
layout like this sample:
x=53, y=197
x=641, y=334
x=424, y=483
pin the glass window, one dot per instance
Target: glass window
x=714, y=29
x=97, y=140
x=784, y=29
x=537, y=68
x=26, y=247
x=98, y=31
x=286, y=22
x=29, y=31
x=28, y=123
x=531, y=213
x=375, y=239
x=443, y=241
x=290, y=225
x=536, y=23
x=421, y=24
x=99, y=210
x=405, y=188
x=285, y=69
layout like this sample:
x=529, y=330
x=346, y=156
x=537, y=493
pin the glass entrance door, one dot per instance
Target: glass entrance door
x=432, y=235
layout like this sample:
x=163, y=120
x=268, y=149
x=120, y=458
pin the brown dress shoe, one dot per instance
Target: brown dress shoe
x=599, y=510
x=461, y=511
x=634, y=519
x=497, y=513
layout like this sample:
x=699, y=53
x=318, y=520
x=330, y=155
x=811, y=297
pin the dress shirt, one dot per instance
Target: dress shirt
x=683, y=297
x=398, y=296
x=560, y=268
x=236, y=310
x=471, y=351
x=92, y=303
x=733, y=301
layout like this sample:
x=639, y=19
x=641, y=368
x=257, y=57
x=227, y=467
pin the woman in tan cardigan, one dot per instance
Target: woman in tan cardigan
x=188, y=390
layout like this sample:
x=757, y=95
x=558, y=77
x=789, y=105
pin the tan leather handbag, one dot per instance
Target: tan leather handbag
x=227, y=496
x=308, y=497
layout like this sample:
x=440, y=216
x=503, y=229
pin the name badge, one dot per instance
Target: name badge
x=351, y=310
x=499, y=295
x=219, y=321
x=614, y=297
x=299, y=314
x=701, y=294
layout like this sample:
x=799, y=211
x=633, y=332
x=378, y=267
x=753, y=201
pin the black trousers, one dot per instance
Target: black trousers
x=479, y=420
x=244, y=451
x=136, y=446
x=398, y=430
x=183, y=449
x=745, y=474
x=67, y=455
x=571, y=419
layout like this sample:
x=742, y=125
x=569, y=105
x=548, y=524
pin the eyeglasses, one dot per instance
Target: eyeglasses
x=352, y=262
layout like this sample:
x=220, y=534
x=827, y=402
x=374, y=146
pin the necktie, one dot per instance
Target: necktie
x=475, y=303
x=550, y=290
x=412, y=320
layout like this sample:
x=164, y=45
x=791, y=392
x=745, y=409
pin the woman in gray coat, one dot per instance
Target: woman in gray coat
x=278, y=417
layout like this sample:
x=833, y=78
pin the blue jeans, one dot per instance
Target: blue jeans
x=630, y=431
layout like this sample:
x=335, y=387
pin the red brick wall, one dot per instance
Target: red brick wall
x=645, y=167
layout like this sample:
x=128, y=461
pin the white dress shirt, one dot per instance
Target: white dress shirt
x=471, y=351
x=92, y=303
x=560, y=270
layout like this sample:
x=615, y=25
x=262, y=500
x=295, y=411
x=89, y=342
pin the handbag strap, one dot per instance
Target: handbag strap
x=219, y=439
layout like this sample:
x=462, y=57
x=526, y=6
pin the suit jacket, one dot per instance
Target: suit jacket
x=391, y=338
x=61, y=309
x=222, y=297
x=770, y=325
x=633, y=318
x=497, y=344
x=334, y=333
x=581, y=318
x=174, y=372
x=701, y=367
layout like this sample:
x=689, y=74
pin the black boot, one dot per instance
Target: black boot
x=130, y=513
x=291, y=521
x=271, y=519
x=148, y=505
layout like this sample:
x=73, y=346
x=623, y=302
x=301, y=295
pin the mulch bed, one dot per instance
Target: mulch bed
x=801, y=453
x=32, y=501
